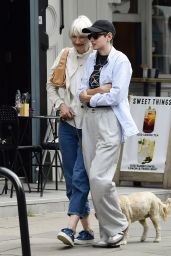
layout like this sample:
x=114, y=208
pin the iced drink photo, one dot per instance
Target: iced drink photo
x=149, y=120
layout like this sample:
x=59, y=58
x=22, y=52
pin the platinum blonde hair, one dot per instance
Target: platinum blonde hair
x=78, y=24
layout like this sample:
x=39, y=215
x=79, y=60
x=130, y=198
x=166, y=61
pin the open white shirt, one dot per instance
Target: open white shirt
x=118, y=72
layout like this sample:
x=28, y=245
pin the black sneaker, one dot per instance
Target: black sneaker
x=84, y=237
x=66, y=235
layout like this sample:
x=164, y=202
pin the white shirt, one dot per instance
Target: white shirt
x=118, y=72
x=74, y=72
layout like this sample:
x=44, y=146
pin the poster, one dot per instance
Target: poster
x=147, y=151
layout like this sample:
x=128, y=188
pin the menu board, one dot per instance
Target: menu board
x=147, y=151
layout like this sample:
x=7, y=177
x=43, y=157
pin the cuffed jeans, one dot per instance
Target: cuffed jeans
x=77, y=183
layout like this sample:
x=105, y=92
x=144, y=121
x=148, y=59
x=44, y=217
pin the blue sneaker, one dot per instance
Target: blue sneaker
x=84, y=237
x=66, y=235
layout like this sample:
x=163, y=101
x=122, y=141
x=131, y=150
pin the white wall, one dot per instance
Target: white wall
x=94, y=9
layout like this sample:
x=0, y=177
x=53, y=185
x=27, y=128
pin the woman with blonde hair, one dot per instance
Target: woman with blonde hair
x=70, y=134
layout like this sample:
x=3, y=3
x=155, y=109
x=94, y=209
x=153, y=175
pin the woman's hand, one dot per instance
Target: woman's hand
x=105, y=88
x=84, y=97
x=101, y=89
x=65, y=112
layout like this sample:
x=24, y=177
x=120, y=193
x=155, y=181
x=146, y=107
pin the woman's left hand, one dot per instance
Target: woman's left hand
x=84, y=97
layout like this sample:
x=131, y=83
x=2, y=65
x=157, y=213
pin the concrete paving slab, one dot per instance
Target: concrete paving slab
x=47, y=215
x=43, y=230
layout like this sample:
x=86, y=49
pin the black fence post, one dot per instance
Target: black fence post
x=22, y=209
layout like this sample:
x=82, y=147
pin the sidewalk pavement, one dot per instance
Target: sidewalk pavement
x=43, y=228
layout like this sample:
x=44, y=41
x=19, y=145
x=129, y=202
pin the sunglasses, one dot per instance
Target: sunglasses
x=96, y=35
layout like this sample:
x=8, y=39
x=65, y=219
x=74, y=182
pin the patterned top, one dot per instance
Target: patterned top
x=94, y=78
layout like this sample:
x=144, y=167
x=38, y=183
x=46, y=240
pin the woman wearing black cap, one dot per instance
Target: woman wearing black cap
x=106, y=123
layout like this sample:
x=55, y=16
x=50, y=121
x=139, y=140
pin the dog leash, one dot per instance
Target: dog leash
x=79, y=139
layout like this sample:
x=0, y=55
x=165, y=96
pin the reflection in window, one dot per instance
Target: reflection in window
x=125, y=6
x=161, y=29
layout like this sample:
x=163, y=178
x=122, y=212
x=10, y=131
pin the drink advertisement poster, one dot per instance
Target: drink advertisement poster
x=147, y=151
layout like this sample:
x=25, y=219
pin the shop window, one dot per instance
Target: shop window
x=125, y=6
x=161, y=35
x=133, y=45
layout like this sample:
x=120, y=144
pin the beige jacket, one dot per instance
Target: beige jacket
x=74, y=71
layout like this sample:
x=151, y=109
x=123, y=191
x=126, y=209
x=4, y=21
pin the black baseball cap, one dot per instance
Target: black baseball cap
x=100, y=26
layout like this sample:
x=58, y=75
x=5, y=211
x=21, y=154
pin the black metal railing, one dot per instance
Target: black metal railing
x=22, y=209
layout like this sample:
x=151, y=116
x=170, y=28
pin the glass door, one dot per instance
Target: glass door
x=161, y=35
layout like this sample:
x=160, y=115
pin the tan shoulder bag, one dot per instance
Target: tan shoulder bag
x=58, y=77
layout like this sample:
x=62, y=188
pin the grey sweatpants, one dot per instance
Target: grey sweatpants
x=101, y=144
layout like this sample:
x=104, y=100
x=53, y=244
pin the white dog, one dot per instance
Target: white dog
x=141, y=205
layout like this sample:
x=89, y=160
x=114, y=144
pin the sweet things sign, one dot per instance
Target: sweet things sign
x=146, y=152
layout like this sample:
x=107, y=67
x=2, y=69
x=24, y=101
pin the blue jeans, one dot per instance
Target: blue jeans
x=77, y=183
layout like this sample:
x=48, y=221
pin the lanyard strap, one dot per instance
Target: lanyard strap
x=80, y=142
